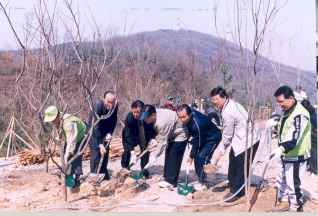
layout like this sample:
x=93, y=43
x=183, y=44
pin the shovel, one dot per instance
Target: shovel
x=139, y=175
x=98, y=177
x=185, y=188
x=209, y=168
x=142, y=154
x=70, y=181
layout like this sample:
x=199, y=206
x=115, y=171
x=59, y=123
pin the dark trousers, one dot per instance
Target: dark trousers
x=203, y=158
x=76, y=166
x=313, y=158
x=236, y=169
x=125, y=157
x=95, y=157
x=173, y=159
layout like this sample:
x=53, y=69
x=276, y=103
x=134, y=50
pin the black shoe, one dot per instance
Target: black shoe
x=230, y=195
x=106, y=177
x=77, y=183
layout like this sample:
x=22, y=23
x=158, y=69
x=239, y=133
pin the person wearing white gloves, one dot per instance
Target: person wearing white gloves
x=234, y=119
x=172, y=135
x=102, y=131
x=131, y=138
x=73, y=131
x=294, y=144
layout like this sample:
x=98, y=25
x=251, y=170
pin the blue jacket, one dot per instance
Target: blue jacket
x=202, y=131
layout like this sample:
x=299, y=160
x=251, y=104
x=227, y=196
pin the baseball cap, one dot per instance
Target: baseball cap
x=177, y=100
x=146, y=111
x=50, y=113
x=169, y=98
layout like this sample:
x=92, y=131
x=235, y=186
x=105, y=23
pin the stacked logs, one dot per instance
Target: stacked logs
x=29, y=157
x=116, y=149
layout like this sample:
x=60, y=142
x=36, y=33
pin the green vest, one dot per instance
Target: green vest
x=81, y=128
x=304, y=142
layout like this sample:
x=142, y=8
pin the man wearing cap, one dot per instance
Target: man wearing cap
x=177, y=102
x=299, y=95
x=169, y=104
x=172, y=135
x=73, y=131
x=103, y=130
x=131, y=137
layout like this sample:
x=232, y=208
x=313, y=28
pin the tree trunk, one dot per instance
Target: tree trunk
x=63, y=187
x=46, y=165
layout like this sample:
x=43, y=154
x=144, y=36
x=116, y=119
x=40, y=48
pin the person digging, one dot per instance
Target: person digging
x=73, y=130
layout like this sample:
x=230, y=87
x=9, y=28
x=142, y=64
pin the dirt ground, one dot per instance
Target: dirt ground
x=28, y=188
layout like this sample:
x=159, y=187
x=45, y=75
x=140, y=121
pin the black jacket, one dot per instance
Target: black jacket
x=202, y=131
x=104, y=126
x=131, y=131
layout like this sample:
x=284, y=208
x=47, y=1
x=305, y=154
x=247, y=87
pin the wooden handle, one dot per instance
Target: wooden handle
x=188, y=168
x=219, y=156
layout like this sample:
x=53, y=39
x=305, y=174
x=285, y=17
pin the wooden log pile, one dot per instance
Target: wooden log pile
x=29, y=157
x=116, y=149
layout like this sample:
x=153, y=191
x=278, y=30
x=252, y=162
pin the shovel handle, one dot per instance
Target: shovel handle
x=143, y=153
x=217, y=159
x=188, y=168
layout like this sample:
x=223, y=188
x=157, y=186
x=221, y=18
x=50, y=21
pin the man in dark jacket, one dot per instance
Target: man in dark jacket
x=102, y=131
x=130, y=137
x=206, y=138
x=313, y=151
x=213, y=115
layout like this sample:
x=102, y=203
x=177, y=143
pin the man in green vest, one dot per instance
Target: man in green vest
x=294, y=144
x=73, y=131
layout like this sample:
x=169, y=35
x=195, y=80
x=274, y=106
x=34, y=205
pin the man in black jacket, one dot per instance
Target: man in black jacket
x=103, y=130
x=206, y=138
x=130, y=137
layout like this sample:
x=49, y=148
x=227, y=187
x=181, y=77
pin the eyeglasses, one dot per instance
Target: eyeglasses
x=282, y=102
x=214, y=100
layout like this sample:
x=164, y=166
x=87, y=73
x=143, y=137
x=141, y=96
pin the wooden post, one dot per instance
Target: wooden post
x=26, y=133
x=23, y=141
x=9, y=144
x=7, y=133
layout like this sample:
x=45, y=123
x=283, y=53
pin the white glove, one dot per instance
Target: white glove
x=133, y=158
x=108, y=137
x=153, y=159
x=271, y=123
x=222, y=150
x=276, y=153
x=153, y=142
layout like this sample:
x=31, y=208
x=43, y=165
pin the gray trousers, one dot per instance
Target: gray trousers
x=288, y=181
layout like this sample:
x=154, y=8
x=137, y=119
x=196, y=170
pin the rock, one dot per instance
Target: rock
x=40, y=187
x=129, y=183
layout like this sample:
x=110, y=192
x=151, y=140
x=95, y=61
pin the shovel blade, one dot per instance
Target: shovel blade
x=69, y=180
x=209, y=168
x=93, y=177
x=139, y=175
x=185, y=189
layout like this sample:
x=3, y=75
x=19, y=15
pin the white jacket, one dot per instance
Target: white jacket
x=234, y=119
x=169, y=127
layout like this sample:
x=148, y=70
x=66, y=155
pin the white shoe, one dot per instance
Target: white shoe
x=161, y=178
x=200, y=187
x=164, y=184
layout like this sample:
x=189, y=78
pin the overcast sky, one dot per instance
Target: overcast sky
x=296, y=18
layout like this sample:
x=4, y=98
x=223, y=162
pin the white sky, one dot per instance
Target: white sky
x=151, y=15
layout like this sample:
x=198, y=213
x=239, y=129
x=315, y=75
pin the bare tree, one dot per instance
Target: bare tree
x=60, y=71
x=247, y=67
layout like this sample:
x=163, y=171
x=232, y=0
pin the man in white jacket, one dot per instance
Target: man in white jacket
x=172, y=134
x=234, y=121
